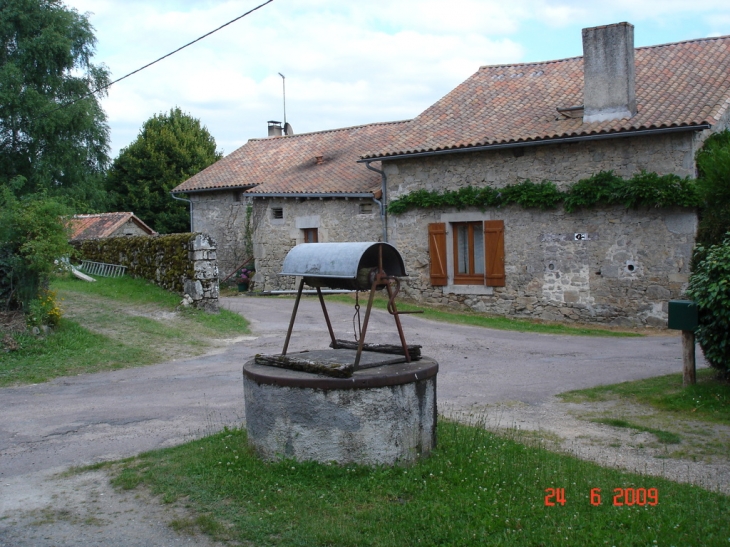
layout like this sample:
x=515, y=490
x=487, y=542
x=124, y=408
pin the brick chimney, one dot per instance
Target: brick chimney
x=275, y=129
x=609, y=90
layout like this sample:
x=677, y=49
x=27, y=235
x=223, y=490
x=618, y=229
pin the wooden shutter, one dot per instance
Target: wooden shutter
x=437, y=250
x=494, y=252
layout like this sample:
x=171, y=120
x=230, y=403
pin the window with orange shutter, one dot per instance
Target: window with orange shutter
x=478, y=253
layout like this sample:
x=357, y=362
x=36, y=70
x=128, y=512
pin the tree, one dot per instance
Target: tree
x=46, y=143
x=170, y=149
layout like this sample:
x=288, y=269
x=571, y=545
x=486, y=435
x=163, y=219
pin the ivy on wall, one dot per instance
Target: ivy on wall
x=164, y=259
x=604, y=188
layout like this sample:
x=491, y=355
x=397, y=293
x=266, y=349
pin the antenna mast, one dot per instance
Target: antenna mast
x=283, y=86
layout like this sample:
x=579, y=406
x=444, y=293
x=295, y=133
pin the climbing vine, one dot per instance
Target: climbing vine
x=604, y=188
x=248, y=236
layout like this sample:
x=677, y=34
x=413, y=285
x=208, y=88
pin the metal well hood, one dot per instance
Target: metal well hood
x=341, y=260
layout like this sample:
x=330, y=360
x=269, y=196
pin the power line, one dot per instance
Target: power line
x=90, y=93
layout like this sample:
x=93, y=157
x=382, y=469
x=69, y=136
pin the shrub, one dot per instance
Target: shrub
x=713, y=164
x=709, y=286
x=32, y=237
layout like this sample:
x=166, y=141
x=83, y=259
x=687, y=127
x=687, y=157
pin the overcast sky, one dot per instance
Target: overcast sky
x=346, y=62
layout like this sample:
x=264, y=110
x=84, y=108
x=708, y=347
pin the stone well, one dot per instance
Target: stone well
x=380, y=415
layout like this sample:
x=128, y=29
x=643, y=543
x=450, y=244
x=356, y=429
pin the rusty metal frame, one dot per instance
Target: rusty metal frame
x=379, y=279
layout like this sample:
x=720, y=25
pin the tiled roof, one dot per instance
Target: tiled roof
x=680, y=84
x=102, y=225
x=288, y=164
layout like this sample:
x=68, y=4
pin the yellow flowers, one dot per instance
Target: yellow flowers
x=45, y=310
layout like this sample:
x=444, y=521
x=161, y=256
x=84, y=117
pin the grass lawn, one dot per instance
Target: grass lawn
x=475, y=489
x=111, y=324
x=481, y=320
x=708, y=400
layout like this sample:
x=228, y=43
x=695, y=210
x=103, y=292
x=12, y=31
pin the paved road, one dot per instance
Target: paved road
x=84, y=419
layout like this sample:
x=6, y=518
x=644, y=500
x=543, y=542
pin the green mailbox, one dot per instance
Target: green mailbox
x=682, y=315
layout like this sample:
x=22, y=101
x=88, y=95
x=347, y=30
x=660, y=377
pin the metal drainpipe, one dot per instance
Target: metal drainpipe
x=192, y=229
x=382, y=203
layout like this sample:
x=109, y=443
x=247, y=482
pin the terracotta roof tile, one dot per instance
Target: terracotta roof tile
x=288, y=164
x=680, y=84
x=101, y=225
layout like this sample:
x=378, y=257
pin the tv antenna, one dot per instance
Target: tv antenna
x=287, y=127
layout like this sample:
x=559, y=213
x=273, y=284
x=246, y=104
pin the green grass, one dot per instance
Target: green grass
x=70, y=350
x=708, y=400
x=480, y=320
x=666, y=437
x=139, y=291
x=111, y=324
x=475, y=489
x=119, y=288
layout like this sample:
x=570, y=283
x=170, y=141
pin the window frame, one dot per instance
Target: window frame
x=471, y=277
x=443, y=260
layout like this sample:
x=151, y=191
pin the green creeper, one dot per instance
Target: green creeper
x=170, y=149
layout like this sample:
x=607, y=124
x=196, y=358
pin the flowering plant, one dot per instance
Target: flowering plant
x=243, y=275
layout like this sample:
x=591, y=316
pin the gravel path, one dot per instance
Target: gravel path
x=507, y=378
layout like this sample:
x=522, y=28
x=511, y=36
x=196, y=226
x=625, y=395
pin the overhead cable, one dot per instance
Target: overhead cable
x=90, y=93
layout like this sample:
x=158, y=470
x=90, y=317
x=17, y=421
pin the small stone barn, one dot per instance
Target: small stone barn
x=285, y=190
x=616, y=108
x=103, y=225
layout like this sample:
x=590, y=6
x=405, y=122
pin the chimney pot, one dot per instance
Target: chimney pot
x=275, y=129
x=609, y=89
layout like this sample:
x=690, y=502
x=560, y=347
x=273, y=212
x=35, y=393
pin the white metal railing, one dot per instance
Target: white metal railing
x=101, y=269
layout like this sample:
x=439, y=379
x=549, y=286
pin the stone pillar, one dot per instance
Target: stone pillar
x=203, y=287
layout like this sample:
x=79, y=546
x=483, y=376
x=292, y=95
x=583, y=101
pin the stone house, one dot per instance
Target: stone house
x=103, y=225
x=617, y=109
x=285, y=190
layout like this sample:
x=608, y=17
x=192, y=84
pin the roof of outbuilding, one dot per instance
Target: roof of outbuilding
x=679, y=84
x=288, y=165
x=102, y=225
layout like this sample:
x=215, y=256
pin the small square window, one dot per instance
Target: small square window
x=311, y=235
x=366, y=208
x=277, y=213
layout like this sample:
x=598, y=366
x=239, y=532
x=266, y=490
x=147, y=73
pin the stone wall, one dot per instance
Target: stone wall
x=129, y=228
x=222, y=215
x=563, y=164
x=632, y=263
x=336, y=220
x=182, y=263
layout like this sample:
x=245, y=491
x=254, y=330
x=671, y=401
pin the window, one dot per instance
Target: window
x=366, y=208
x=277, y=213
x=478, y=253
x=468, y=253
x=310, y=235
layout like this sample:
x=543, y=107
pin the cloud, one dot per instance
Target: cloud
x=346, y=63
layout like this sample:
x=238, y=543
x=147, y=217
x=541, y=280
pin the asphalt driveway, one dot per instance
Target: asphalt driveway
x=84, y=419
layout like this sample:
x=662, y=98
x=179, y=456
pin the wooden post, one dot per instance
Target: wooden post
x=689, y=376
